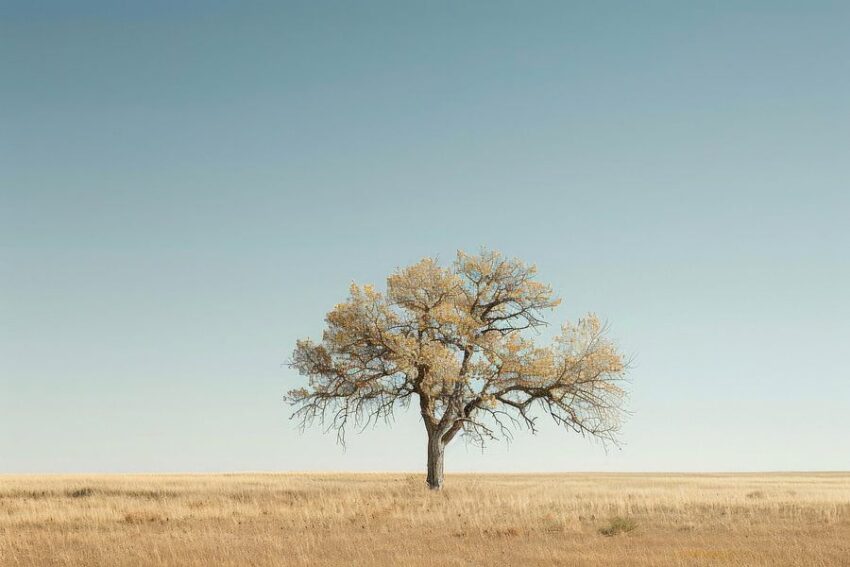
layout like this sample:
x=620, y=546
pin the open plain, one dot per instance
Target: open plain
x=393, y=519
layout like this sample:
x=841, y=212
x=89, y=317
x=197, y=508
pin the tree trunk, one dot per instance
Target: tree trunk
x=436, y=450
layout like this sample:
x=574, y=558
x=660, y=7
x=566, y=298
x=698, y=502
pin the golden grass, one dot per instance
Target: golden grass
x=392, y=519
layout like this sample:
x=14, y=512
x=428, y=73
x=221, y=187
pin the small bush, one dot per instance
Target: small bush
x=138, y=517
x=83, y=492
x=618, y=525
x=502, y=532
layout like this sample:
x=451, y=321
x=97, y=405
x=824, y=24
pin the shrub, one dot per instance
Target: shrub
x=140, y=517
x=618, y=525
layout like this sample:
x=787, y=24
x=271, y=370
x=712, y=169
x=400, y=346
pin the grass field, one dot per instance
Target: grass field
x=392, y=519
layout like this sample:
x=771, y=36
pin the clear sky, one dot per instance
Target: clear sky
x=188, y=187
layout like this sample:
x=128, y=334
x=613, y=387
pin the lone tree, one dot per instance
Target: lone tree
x=454, y=339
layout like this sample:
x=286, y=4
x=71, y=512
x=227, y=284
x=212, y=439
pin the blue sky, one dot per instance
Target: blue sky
x=186, y=189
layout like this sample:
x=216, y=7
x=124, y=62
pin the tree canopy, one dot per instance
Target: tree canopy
x=457, y=340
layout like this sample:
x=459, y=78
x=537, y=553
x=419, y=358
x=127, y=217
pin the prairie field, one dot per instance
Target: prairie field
x=393, y=519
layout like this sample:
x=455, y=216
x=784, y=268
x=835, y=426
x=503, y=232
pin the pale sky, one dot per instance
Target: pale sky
x=187, y=189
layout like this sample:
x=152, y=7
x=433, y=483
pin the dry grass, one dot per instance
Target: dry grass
x=392, y=519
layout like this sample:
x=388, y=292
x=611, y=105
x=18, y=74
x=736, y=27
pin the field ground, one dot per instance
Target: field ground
x=392, y=519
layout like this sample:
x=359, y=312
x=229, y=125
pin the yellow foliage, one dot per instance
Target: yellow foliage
x=458, y=337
